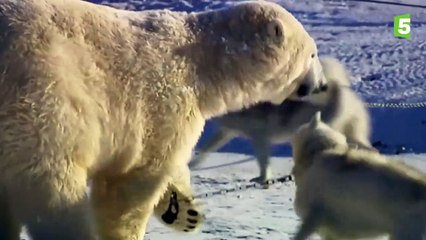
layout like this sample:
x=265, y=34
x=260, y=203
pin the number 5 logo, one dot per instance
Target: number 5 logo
x=401, y=26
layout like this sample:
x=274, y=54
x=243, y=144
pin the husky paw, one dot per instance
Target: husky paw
x=260, y=180
x=179, y=211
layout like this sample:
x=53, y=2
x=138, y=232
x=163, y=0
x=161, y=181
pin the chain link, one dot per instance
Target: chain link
x=287, y=178
x=396, y=105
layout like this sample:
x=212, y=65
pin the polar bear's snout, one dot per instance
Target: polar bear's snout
x=314, y=81
x=307, y=89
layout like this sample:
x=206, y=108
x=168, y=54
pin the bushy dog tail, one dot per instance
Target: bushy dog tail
x=335, y=71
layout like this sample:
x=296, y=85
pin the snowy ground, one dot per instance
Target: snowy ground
x=250, y=214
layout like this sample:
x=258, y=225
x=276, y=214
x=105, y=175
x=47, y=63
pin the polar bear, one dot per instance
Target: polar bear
x=120, y=98
x=349, y=193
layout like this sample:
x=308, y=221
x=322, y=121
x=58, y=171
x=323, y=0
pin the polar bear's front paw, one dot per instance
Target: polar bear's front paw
x=179, y=212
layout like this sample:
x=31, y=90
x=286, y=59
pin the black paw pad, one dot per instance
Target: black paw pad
x=172, y=212
x=190, y=227
x=192, y=221
x=192, y=213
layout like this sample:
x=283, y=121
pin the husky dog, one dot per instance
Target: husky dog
x=265, y=123
x=347, y=193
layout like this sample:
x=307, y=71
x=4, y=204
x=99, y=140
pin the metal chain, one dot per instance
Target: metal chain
x=396, y=105
x=287, y=178
x=389, y=105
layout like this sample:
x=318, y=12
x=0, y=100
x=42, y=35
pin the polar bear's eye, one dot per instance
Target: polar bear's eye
x=313, y=55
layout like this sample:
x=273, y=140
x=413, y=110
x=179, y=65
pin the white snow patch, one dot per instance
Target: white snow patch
x=250, y=214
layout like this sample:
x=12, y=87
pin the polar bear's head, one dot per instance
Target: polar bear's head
x=251, y=52
x=308, y=82
x=314, y=137
x=336, y=76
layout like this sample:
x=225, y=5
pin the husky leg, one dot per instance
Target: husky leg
x=261, y=147
x=402, y=235
x=10, y=228
x=310, y=223
x=413, y=228
x=330, y=238
x=213, y=144
x=359, y=134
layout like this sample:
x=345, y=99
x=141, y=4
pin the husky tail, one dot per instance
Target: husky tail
x=335, y=71
x=219, y=139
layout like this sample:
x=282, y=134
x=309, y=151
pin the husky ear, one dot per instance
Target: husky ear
x=316, y=119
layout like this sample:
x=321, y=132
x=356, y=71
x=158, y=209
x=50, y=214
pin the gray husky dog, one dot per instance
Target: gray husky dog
x=344, y=193
x=265, y=123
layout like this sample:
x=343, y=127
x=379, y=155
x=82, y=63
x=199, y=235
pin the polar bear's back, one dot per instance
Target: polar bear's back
x=71, y=71
x=81, y=45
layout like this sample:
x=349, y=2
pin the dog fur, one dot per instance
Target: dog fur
x=347, y=193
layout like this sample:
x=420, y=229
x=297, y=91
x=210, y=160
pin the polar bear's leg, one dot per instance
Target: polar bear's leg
x=177, y=209
x=52, y=204
x=124, y=204
x=357, y=132
x=9, y=226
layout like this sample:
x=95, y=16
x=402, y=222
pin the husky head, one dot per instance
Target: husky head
x=314, y=137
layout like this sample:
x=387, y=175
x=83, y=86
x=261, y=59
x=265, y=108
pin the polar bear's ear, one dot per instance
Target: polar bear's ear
x=316, y=119
x=275, y=29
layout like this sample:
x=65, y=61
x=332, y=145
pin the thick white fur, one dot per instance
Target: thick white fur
x=352, y=117
x=345, y=193
x=88, y=92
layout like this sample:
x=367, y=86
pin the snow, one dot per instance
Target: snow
x=250, y=214
x=247, y=214
x=385, y=69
